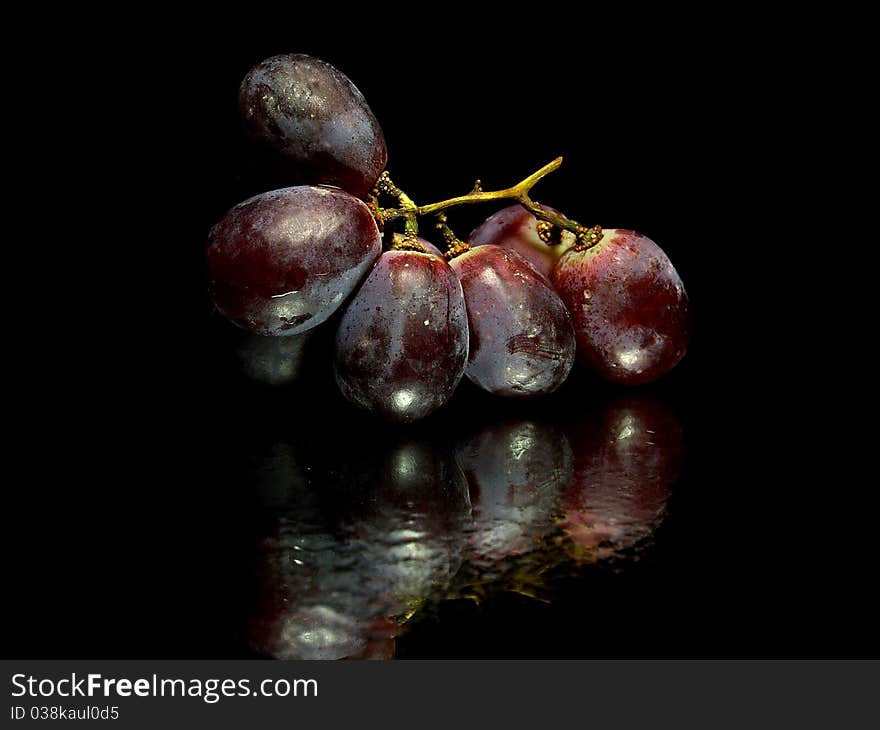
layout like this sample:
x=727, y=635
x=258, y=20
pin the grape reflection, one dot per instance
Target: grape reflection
x=516, y=470
x=355, y=549
x=628, y=453
x=273, y=360
x=367, y=530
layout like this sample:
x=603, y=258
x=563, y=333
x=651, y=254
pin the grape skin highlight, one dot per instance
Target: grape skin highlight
x=282, y=262
x=522, y=341
x=629, y=307
x=310, y=113
x=402, y=344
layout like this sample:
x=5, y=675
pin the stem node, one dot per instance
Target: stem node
x=408, y=210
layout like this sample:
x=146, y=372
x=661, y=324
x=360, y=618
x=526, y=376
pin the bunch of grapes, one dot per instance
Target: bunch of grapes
x=511, y=308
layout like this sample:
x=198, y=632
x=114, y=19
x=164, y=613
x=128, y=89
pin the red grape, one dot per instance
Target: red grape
x=628, y=305
x=521, y=338
x=514, y=227
x=284, y=261
x=316, y=118
x=402, y=344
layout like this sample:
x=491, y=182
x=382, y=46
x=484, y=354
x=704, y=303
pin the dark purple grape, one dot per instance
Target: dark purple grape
x=402, y=344
x=516, y=471
x=316, y=118
x=284, y=261
x=521, y=338
x=628, y=305
x=627, y=455
x=514, y=227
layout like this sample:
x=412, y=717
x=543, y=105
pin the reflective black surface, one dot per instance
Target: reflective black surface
x=366, y=535
x=366, y=530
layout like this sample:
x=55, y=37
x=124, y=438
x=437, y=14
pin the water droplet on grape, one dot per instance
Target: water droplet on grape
x=635, y=327
x=275, y=264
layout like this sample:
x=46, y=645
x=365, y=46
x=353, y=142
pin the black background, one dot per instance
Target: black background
x=127, y=538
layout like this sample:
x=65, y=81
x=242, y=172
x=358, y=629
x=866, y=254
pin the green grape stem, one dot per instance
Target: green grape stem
x=454, y=245
x=586, y=237
x=385, y=185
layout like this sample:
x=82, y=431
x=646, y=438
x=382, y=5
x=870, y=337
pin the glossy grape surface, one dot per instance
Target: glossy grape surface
x=316, y=118
x=402, y=344
x=284, y=261
x=521, y=337
x=628, y=305
x=515, y=228
x=628, y=453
